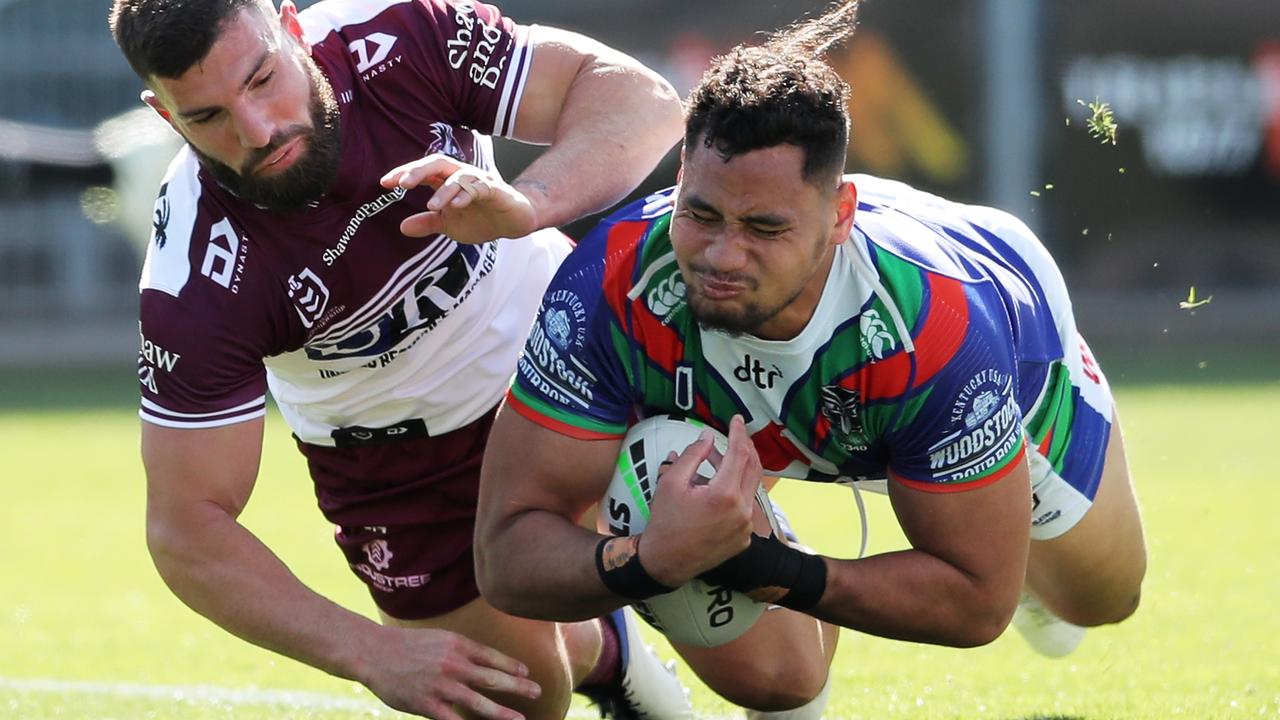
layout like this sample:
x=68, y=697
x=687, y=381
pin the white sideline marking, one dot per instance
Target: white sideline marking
x=213, y=694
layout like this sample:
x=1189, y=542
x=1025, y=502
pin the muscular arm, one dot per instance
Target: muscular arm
x=532, y=558
x=198, y=481
x=957, y=585
x=608, y=119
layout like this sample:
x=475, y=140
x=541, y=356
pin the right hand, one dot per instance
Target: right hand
x=430, y=672
x=470, y=205
x=696, y=524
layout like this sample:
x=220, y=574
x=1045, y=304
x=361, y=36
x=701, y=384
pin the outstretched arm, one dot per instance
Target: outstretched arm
x=608, y=120
x=198, y=481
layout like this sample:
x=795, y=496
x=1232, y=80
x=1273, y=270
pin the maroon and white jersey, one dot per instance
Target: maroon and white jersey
x=346, y=320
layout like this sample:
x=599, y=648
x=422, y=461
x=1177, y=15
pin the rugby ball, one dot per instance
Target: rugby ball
x=698, y=613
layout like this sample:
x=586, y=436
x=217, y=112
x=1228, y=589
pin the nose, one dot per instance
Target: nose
x=726, y=252
x=253, y=126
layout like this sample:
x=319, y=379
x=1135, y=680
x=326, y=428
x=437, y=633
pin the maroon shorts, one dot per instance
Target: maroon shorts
x=405, y=513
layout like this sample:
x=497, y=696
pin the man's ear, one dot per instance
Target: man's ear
x=292, y=27
x=846, y=208
x=154, y=103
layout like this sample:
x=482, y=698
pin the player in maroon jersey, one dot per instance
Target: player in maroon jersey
x=335, y=230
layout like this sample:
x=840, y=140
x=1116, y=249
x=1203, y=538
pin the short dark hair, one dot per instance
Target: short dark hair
x=781, y=92
x=164, y=38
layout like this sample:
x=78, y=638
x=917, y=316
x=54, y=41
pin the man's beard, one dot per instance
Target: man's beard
x=751, y=316
x=310, y=175
x=715, y=316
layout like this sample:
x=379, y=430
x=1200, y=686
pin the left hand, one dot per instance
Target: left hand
x=470, y=205
x=696, y=524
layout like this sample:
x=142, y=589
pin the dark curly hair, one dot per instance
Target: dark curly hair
x=164, y=38
x=782, y=91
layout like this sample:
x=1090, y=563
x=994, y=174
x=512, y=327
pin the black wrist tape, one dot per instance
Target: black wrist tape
x=629, y=580
x=769, y=562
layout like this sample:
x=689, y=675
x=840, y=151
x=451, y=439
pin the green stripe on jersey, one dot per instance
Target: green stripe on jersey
x=904, y=283
x=570, y=419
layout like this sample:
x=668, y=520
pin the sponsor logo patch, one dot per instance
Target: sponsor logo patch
x=876, y=339
x=753, y=371
x=372, y=54
x=487, y=38
x=986, y=416
x=379, y=554
x=667, y=297
x=565, y=319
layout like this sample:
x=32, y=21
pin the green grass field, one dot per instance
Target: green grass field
x=89, y=631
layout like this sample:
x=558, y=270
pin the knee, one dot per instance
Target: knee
x=1115, y=610
x=1102, y=609
x=783, y=684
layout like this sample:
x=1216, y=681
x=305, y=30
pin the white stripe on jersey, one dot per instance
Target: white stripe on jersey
x=638, y=289
x=504, y=123
x=183, y=425
x=149, y=405
x=168, y=268
x=325, y=17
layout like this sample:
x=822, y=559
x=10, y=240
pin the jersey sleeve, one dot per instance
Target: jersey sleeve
x=961, y=427
x=203, y=320
x=477, y=58
x=192, y=375
x=574, y=375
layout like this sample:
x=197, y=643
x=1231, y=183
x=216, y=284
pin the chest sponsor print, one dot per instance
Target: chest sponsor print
x=439, y=291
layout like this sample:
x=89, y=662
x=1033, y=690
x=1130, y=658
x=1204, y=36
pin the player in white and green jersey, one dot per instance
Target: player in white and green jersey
x=834, y=327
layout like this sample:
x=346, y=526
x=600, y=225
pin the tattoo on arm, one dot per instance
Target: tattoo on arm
x=619, y=550
x=527, y=184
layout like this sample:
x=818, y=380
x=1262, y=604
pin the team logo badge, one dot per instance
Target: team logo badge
x=379, y=554
x=444, y=141
x=842, y=409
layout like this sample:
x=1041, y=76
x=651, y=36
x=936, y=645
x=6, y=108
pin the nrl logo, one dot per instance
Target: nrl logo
x=841, y=408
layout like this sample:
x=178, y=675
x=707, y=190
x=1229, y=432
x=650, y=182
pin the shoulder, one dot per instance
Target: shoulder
x=200, y=270
x=629, y=238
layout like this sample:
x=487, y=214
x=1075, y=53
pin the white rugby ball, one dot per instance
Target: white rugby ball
x=698, y=613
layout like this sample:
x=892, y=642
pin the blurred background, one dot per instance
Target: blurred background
x=980, y=100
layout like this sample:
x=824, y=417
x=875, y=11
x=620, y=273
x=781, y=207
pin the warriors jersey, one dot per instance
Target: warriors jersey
x=934, y=353
x=345, y=319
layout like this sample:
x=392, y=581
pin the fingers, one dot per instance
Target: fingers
x=740, y=464
x=423, y=224
x=431, y=170
x=685, y=465
x=457, y=184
